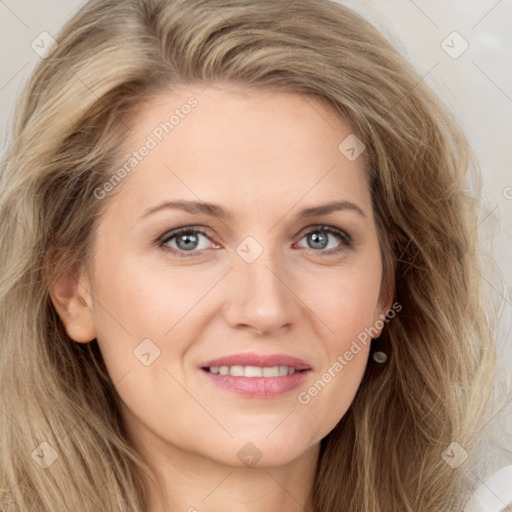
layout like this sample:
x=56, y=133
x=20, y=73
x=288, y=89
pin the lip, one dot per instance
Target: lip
x=258, y=387
x=263, y=360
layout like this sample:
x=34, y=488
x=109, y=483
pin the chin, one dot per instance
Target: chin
x=258, y=451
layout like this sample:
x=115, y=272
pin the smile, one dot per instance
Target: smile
x=252, y=371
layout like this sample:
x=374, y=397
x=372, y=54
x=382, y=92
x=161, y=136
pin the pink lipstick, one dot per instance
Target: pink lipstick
x=257, y=375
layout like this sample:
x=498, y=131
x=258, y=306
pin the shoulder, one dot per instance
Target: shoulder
x=494, y=495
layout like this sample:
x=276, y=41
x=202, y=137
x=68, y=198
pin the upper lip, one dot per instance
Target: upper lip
x=262, y=360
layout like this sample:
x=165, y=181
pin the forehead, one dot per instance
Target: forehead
x=230, y=145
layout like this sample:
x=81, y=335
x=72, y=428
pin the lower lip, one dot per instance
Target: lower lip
x=259, y=387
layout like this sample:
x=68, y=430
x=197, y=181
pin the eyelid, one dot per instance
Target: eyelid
x=186, y=228
x=173, y=233
x=328, y=228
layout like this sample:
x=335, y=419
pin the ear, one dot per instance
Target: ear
x=73, y=302
x=384, y=304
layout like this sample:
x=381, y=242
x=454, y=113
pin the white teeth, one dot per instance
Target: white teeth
x=236, y=371
x=271, y=372
x=252, y=371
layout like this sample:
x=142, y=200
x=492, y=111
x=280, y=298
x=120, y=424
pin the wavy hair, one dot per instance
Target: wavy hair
x=386, y=453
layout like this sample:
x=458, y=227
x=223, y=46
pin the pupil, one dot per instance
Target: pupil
x=321, y=240
x=188, y=238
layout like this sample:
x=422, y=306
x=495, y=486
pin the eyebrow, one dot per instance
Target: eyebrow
x=213, y=210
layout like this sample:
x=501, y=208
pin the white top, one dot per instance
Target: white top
x=494, y=494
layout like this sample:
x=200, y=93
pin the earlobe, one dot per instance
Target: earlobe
x=73, y=302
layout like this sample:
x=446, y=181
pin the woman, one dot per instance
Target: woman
x=325, y=345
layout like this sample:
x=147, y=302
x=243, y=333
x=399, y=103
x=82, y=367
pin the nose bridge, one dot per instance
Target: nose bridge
x=259, y=296
x=260, y=267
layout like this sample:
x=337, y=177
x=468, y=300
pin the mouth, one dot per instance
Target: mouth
x=253, y=371
x=257, y=375
x=253, y=363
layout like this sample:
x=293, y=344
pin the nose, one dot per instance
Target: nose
x=260, y=295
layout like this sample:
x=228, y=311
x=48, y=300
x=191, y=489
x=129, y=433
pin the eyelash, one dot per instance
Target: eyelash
x=344, y=237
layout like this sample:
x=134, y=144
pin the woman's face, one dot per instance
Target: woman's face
x=268, y=283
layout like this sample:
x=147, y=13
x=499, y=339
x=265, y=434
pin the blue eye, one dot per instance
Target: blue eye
x=322, y=241
x=187, y=239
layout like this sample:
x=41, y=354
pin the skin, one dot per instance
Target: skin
x=263, y=156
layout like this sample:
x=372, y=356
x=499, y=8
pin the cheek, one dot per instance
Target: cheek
x=346, y=300
x=136, y=313
x=136, y=302
x=144, y=300
x=347, y=311
x=127, y=313
x=346, y=304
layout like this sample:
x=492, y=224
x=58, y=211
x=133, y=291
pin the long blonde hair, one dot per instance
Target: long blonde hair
x=387, y=452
